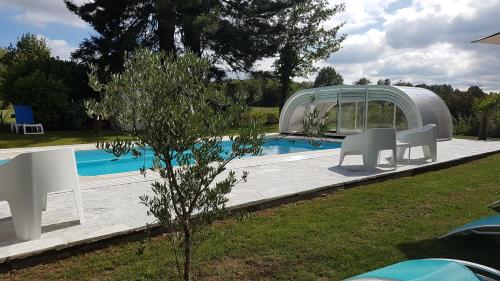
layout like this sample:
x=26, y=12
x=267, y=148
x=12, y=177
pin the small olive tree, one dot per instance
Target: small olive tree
x=167, y=104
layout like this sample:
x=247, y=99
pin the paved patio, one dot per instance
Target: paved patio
x=112, y=206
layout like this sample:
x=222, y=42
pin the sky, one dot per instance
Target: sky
x=420, y=41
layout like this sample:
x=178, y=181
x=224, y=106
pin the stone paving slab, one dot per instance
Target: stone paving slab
x=112, y=206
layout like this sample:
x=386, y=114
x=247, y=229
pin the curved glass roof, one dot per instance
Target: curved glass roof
x=420, y=106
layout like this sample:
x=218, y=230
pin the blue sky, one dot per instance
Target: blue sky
x=421, y=41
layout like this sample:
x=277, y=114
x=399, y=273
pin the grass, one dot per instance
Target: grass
x=273, y=110
x=50, y=138
x=10, y=140
x=328, y=238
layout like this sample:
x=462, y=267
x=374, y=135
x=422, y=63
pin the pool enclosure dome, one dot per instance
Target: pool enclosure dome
x=419, y=107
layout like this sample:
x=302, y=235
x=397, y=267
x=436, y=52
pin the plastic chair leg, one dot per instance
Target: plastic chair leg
x=27, y=217
x=342, y=155
x=44, y=202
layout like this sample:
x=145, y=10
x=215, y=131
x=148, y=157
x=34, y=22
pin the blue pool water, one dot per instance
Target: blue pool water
x=97, y=162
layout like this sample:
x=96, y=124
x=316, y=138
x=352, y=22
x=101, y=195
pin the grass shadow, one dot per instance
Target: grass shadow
x=473, y=248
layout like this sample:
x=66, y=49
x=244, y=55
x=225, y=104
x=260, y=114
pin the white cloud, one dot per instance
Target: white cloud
x=421, y=41
x=59, y=48
x=41, y=12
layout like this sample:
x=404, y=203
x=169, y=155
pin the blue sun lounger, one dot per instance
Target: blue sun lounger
x=485, y=226
x=24, y=120
x=431, y=270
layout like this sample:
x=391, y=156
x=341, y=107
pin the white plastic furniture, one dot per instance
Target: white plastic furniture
x=38, y=128
x=424, y=137
x=369, y=144
x=25, y=181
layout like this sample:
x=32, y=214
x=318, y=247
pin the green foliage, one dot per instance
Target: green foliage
x=314, y=124
x=384, y=82
x=53, y=88
x=251, y=88
x=262, y=92
x=488, y=107
x=231, y=32
x=304, y=40
x=327, y=76
x=403, y=83
x=466, y=126
x=42, y=92
x=362, y=81
x=166, y=104
x=261, y=115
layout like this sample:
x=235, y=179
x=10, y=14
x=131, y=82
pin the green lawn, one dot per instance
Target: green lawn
x=10, y=140
x=327, y=238
x=273, y=110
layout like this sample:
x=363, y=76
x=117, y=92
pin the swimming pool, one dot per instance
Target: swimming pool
x=97, y=162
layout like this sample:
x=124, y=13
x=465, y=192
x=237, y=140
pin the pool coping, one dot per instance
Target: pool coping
x=83, y=246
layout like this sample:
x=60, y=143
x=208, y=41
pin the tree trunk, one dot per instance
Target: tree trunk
x=166, y=25
x=187, y=252
x=285, y=87
x=192, y=35
x=483, y=127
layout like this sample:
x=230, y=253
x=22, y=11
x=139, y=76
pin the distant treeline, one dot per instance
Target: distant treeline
x=56, y=90
x=463, y=107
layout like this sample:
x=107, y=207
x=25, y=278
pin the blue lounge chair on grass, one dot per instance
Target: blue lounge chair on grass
x=485, y=226
x=24, y=120
x=431, y=270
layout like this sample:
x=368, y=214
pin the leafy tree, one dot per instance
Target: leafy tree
x=362, y=81
x=487, y=107
x=384, y=82
x=475, y=92
x=167, y=105
x=304, y=40
x=54, y=88
x=46, y=94
x=327, y=76
x=252, y=88
x=231, y=32
x=403, y=83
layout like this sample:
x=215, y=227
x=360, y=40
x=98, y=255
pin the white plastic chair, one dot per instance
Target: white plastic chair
x=26, y=180
x=369, y=144
x=424, y=137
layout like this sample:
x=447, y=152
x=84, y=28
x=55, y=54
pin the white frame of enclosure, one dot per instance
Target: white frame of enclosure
x=420, y=106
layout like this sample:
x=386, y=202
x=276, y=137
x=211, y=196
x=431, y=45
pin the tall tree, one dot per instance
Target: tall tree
x=488, y=107
x=327, y=76
x=362, y=81
x=304, y=40
x=229, y=32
